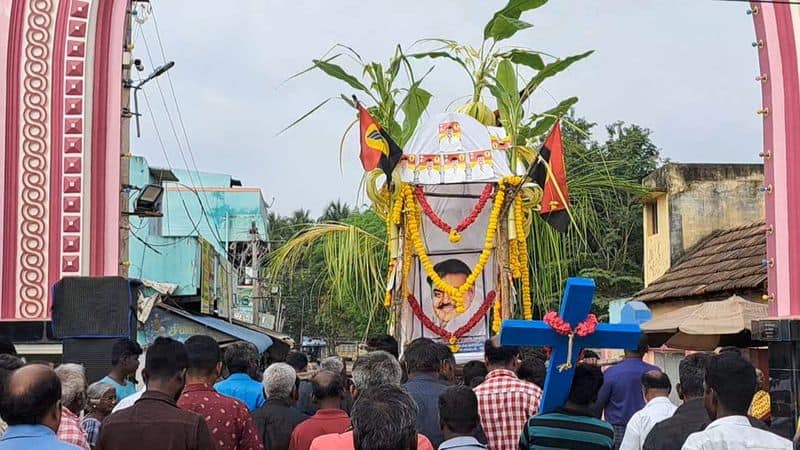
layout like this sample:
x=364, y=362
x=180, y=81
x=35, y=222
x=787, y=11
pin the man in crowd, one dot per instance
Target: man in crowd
x=241, y=359
x=370, y=372
x=533, y=370
x=385, y=343
x=447, y=372
x=621, y=394
x=573, y=425
x=459, y=419
x=423, y=362
x=505, y=402
x=231, y=425
x=328, y=391
x=730, y=384
x=30, y=404
x=73, y=400
x=7, y=347
x=155, y=421
x=384, y=418
x=656, y=388
x=474, y=373
x=688, y=418
x=8, y=364
x=277, y=418
x=125, y=362
x=299, y=361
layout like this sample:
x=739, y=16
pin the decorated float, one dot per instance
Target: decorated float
x=480, y=208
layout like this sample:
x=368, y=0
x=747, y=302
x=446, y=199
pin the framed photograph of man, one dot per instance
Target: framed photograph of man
x=440, y=308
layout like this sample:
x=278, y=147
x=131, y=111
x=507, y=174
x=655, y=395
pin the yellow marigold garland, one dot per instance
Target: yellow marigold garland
x=392, y=221
x=497, y=316
x=522, y=258
x=518, y=250
x=457, y=294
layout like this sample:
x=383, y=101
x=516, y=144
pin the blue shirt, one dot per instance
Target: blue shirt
x=621, y=395
x=26, y=437
x=425, y=390
x=123, y=390
x=240, y=386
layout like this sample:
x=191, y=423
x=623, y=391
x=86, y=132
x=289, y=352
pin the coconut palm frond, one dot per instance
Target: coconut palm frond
x=349, y=260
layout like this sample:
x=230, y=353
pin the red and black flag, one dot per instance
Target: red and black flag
x=377, y=148
x=550, y=173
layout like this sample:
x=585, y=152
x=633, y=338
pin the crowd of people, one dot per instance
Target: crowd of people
x=197, y=396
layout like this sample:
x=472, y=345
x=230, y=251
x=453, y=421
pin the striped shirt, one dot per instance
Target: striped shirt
x=565, y=429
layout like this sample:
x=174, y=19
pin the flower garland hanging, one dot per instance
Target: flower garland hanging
x=497, y=317
x=457, y=294
x=454, y=232
x=392, y=221
x=522, y=259
x=562, y=327
x=452, y=337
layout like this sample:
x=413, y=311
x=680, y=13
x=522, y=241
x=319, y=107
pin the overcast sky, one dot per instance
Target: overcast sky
x=683, y=68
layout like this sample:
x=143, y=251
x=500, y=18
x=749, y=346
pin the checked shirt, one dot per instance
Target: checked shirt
x=505, y=403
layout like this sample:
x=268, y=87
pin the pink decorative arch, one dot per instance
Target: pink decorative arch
x=777, y=28
x=60, y=84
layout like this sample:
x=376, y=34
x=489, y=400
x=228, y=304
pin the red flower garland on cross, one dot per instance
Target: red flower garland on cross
x=562, y=327
x=453, y=337
x=455, y=237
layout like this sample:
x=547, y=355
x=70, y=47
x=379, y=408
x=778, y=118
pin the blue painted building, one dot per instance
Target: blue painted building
x=201, y=243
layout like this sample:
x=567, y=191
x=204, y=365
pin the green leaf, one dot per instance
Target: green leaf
x=441, y=54
x=414, y=105
x=337, y=72
x=313, y=110
x=551, y=70
x=524, y=57
x=507, y=78
x=549, y=117
x=314, y=66
x=348, y=100
x=503, y=27
x=513, y=10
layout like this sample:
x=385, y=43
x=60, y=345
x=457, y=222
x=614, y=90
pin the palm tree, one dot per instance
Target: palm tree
x=336, y=212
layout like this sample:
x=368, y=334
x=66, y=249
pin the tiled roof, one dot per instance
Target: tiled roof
x=725, y=261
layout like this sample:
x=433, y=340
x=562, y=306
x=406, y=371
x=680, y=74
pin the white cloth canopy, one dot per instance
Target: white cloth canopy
x=453, y=148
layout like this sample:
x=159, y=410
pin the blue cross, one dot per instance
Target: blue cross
x=575, y=306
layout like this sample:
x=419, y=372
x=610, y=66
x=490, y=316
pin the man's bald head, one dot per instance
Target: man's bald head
x=30, y=395
x=327, y=385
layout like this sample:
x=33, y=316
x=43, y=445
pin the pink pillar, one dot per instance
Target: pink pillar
x=777, y=42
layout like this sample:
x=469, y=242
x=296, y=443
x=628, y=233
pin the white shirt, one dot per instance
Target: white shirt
x=734, y=433
x=656, y=410
x=128, y=401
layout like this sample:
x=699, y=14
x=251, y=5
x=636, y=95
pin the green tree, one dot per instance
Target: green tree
x=336, y=212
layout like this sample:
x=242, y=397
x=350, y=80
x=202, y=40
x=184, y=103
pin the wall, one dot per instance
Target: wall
x=656, y=239
x=693, y=201
x=61, y=65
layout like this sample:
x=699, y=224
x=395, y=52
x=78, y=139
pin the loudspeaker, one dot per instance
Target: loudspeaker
x=93, y=354
x=96, y=307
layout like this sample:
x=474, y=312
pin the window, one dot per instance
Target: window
x=653, y=210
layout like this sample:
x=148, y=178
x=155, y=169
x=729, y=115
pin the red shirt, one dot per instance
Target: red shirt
x=228, y=419
x=325, y=421
x=505, y=403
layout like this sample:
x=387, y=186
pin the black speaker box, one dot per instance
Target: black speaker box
x=93, y=354
x=94, y=307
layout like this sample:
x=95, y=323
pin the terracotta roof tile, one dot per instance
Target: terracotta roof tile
x=726, y=260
